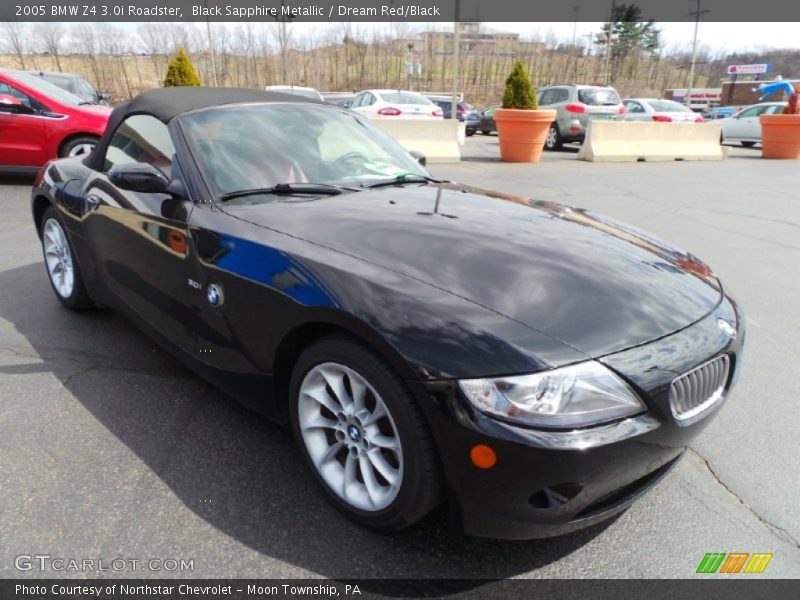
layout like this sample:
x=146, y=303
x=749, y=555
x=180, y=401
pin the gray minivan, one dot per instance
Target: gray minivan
x=576, y=105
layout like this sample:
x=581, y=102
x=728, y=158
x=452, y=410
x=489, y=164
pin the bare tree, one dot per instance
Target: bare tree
x=51, y=40
x=13, y=41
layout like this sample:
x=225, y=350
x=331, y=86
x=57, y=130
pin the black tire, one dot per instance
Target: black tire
x=79, y=298
x=748, y=144
x=77, y=144
x=470, y=132
x=421, y=487
x=554, y=141
x=485, y=131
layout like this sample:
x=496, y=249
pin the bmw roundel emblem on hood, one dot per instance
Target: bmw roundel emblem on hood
x=726, y=328
x=214, y=295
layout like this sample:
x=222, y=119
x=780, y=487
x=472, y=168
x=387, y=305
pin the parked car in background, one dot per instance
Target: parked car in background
x=466, y=112
x=345, y=103
x=296, y=90
x=576, y=105
x=39, y=121
x=744, y=126
x=661, y=111
x=74, y=84
x=487, y=124
x=397, y=104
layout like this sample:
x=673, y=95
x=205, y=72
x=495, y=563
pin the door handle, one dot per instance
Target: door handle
x=93, y=201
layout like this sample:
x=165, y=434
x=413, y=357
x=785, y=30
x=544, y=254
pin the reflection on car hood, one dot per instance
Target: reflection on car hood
x=95, y=109
x=591, y=282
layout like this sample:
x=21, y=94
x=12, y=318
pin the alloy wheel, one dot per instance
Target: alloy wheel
x=552, y=137
x=80, y=150
x=58, y=258
x=350, y=436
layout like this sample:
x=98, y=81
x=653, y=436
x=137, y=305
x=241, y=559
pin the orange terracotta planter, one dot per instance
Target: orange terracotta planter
x=522, y=133
x=780, y=136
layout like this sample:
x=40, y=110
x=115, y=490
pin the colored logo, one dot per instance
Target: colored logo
x=214, y=295
x=734, y=562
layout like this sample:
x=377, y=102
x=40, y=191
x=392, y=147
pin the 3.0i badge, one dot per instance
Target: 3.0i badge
x=214, y=295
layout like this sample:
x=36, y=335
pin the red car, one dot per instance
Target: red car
x=39, y=121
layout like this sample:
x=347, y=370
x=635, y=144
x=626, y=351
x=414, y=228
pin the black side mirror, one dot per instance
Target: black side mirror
x=419, y=157
x=139, y=177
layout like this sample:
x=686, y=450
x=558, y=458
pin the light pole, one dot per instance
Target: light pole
x=284, y=38
x=211, y=47
x=573, y=48
x=696, y=13
x=456, y=52
x=410, y=67
x=607, y=77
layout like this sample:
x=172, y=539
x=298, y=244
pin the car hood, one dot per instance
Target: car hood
x=593, y=283
x=94, y=110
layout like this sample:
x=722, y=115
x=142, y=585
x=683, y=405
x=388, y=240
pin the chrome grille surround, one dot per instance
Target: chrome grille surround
x=697, y=391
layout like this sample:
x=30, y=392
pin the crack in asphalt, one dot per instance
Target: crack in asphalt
x=735, y=214
x=747, y=235
x=91, y=366
x=777, y=530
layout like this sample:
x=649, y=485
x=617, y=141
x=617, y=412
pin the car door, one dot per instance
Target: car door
x=22, y=132
x=745, y=125
x=367, y=106
x=139, y=240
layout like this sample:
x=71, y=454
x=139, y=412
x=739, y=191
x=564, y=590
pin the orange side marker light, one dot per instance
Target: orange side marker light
x=483, y=456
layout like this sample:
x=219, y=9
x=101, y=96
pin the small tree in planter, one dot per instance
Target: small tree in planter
x=181, y=71
x=521, y=127
x=519, y=92
x=780, y=134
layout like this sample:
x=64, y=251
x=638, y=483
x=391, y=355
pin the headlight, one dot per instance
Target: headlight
x=576, y=396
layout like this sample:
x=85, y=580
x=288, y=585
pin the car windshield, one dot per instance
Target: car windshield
x=404, y=98
x=259, y=146
x=668, y=106
x=48, y=89
x=598, y=96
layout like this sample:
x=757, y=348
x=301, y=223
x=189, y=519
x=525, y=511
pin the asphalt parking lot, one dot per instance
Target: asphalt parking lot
x=109, y=448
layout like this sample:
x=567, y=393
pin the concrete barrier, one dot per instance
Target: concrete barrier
x=630, y=141
x=437, y=139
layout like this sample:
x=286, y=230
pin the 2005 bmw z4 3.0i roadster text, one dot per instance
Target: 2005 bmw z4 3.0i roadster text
x=536, y=365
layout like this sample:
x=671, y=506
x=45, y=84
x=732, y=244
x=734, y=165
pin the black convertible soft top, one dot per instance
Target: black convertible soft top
x=167, y=103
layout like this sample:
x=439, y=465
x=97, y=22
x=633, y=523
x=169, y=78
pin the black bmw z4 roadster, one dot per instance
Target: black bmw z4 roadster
x=536, y=366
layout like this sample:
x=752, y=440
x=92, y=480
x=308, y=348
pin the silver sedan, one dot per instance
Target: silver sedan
x=652, y=109
x=744, y=126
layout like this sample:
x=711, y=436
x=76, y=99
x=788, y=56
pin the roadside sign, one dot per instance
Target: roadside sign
x=754, y=69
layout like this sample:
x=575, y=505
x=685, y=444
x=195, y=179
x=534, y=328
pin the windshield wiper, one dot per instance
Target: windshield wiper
x=85, y=102
x=288, y=189
x=405, y=178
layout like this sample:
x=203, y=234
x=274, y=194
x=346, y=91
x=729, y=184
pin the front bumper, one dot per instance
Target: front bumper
x=537, y=489
x=471, y=125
